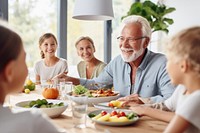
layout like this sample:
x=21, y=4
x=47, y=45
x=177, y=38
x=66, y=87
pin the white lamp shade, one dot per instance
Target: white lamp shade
x=93, y=10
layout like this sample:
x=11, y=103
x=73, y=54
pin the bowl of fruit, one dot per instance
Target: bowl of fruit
x=53, y=108
x=112, y=117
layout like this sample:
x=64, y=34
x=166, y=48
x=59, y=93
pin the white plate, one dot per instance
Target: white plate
x=51, y=112
x=94, y=100
x=96, y=112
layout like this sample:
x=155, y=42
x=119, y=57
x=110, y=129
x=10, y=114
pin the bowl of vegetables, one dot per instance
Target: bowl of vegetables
x=53, y=108
x=94, y=96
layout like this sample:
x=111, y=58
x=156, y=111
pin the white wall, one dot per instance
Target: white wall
x=186, y=14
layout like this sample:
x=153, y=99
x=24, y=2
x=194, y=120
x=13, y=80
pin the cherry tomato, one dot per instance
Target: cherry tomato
x=110, y=105
x=122, y=113
x=118, y=115
x=103, y=113
x=113, y=113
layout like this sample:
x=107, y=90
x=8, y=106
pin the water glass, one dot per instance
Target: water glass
x=79, y=110
x=64, y=88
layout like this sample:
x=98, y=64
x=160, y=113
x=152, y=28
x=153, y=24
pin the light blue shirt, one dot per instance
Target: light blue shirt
x=151, y=81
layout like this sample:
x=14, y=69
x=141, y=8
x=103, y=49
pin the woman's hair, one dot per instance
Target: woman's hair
x=11, y=45
x=85, y=38
x=146, y=28
x=186, y=45
x=43, y=38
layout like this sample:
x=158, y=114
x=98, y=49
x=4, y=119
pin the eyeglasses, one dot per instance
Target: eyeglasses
x=130, y=40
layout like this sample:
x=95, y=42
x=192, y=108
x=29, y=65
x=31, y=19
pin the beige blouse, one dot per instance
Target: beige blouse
x=82, y=69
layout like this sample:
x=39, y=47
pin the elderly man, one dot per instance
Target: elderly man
x=137, y=73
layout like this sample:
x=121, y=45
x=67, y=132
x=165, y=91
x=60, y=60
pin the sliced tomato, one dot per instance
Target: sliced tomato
x=113, y=113
x=110, y=105
x=103, y=113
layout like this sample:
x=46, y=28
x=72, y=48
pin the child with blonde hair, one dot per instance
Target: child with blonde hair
x=50, y=65
x=183, y=66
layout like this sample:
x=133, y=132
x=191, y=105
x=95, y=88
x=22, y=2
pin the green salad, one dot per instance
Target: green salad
x=43, y=103
x=79, y=90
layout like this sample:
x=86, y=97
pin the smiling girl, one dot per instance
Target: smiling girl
x=50, y=65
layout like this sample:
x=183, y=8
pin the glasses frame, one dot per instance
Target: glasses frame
x=130, y=40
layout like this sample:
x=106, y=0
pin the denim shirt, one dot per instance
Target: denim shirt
x=151, y=80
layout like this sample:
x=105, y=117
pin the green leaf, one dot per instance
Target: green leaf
x=154, y=13
x=169, y=10
x=168, y=20
x=150, y=5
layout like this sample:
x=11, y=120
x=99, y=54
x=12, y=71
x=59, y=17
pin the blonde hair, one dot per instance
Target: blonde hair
x=186, y=45
x=43, y=38
x=85, y=38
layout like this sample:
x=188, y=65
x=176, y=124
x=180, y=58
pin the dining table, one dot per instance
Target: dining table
x=64, y=122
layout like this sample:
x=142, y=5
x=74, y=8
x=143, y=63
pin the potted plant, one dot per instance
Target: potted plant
x=154, y=13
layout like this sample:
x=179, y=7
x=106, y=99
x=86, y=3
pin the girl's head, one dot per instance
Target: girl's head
x=13, y=69
x=183, y=51
x=85, y=48
x=48, y=45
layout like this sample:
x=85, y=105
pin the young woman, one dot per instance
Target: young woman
x=90, y=67
x=50, y=65
x=13, y=72
x=183, y=67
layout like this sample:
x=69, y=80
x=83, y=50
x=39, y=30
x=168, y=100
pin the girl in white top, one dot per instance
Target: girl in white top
x=50, y=65
x=183, y=67
x=13, y=72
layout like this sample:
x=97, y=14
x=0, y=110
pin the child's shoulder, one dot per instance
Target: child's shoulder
x=62, y=61
x=39, y=62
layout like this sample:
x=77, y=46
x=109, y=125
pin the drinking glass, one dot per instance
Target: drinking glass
x=61, y=89
x=79, y=110
x=68, y=87
x=64, y=88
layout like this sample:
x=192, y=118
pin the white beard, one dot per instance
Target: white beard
x=133, y=56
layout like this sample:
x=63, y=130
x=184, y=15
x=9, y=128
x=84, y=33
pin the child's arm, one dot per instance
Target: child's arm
x=173, y=127
x=154, y=113
x=37, y=79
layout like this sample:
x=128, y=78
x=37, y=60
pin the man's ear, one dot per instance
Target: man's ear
x=146, y=42
x=9, y=71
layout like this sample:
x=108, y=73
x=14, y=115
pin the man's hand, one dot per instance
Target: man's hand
x=60, y=76
x=131, y=100
x=64, y=75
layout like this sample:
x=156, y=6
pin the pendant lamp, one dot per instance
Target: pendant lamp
x=93, y=10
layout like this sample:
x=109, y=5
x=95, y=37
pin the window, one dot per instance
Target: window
x=32, y=18
x=78, y=28
x=120, y=9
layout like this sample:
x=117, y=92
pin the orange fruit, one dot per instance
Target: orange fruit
x=50, y=93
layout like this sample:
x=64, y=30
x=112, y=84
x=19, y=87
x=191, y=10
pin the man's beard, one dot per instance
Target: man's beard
x=133, y=56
